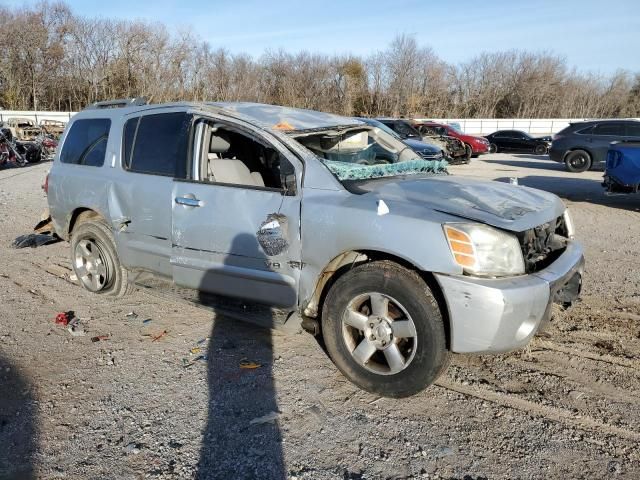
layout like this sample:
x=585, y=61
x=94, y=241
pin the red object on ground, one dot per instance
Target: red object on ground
x=63, y=318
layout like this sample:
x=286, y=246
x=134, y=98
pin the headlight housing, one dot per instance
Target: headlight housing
x=484, y=251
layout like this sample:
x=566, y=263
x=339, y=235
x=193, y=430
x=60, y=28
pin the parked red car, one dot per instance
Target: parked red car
x=475, y=145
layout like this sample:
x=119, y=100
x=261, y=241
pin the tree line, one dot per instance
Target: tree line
x=53, y=59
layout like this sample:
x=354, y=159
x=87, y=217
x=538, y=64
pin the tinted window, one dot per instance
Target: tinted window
x=633, y=129
x=584, y=131
x=158, y=145
x=405, y=129
x=614, y=129
x=86, y=142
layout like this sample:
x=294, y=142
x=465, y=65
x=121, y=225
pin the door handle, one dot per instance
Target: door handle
x=189, y=201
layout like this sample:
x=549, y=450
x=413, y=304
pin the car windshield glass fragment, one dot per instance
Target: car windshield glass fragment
x=366, y=153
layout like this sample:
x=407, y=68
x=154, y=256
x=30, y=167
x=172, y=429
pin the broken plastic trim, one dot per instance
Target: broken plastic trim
x=273, y=233
x=350, y=171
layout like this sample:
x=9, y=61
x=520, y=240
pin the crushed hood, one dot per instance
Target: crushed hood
x=510, y=207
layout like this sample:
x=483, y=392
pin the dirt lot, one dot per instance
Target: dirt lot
x=179, y=406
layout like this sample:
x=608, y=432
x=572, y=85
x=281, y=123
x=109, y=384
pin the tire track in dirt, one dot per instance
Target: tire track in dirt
x=610, y=359
x=555, y=414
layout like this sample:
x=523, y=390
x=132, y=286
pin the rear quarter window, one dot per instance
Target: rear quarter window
x=86, y=142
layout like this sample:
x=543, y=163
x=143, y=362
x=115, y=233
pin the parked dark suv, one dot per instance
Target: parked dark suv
x=584, y=145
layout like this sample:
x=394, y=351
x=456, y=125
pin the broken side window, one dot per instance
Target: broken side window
x=236, y=158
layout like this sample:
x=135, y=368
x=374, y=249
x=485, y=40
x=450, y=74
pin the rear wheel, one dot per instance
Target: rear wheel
x=540, y=150
x=578, y=161
x=383, y=329
x=95, y=260
x=493, y=148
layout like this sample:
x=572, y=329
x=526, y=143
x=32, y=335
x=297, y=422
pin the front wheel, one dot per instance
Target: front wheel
x=384, y=330
x=95, y=260
x=493, y=148
x=468, y=152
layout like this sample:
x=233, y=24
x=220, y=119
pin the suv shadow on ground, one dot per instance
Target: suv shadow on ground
x=579, y=190
x=233, y=446
x=18, y=428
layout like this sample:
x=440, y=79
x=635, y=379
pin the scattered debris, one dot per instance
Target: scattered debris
x=133, y=448
x=249, y=365
x=146, y=321
x=76, y=329
x=45, y=225
x=270, y=417
x=195, y=350
x=63, y=318
x=186, y=363
x=99, y=338
x=131, y=315
x=58, y=271
x=34, y=240
x=155, y=338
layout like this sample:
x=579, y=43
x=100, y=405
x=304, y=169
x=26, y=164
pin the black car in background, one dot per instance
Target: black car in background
x=516, y=141
x=584, y=145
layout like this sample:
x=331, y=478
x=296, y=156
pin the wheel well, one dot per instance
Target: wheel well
x=80, y=215
x=364, y=256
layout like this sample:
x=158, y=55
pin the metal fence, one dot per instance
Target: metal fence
x=35, y=115
x=473, y=126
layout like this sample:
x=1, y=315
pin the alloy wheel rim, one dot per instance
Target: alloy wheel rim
x=379, y=333
x=578, y=162
x=92, y=267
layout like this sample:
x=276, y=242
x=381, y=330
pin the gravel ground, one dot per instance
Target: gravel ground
x=144, y=405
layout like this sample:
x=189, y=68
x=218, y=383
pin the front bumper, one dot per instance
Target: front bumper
x=498, y=315
x=556, y=154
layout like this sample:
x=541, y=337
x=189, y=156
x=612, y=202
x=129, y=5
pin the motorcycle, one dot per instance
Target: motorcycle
x=22, y=152
x=9, y=151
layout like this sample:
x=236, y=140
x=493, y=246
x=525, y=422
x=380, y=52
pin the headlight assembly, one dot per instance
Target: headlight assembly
x=484, y=251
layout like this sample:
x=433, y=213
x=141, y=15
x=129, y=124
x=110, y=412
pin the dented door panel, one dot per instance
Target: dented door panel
x=216, y=245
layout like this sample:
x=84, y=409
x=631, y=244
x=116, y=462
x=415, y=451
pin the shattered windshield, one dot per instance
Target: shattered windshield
x=361, y=153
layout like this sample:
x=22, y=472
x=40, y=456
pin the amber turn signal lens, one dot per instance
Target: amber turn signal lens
x=461, y=247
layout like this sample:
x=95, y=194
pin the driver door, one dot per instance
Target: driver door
x=231, y=235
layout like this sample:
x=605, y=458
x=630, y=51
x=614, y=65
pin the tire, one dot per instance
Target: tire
x=540, y=150
x=469, y=152
x=95, y=259
x=493, y=148
x=419, y=340
x=577, y=161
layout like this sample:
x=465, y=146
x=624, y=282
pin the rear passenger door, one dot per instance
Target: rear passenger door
x=602, y=135
x=154, y=153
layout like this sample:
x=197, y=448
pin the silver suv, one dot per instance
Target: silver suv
x=312, y=217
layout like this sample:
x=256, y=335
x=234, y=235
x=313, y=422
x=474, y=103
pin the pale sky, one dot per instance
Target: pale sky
x=592, y=35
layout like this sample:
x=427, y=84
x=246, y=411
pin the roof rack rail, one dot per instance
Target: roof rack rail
x=119, y=103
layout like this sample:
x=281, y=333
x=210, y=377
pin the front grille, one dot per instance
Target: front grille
x=430, y=155
x=543, y=244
